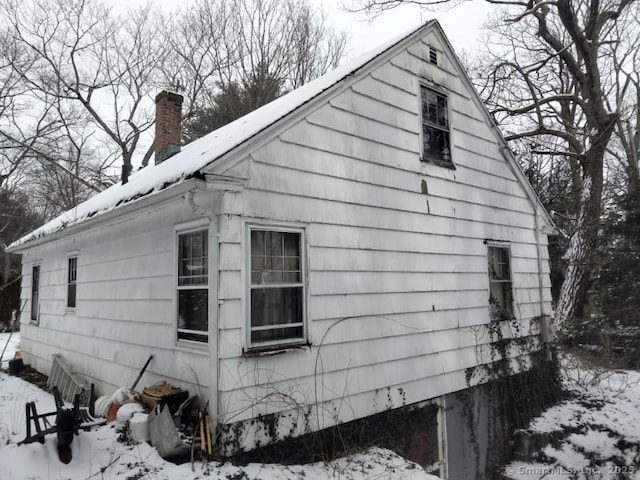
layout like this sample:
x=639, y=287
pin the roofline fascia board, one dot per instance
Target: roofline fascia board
x=240, y=152
x=504, y=148
x=118, y=214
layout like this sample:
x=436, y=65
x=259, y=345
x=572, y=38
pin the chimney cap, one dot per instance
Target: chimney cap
x=171, y=95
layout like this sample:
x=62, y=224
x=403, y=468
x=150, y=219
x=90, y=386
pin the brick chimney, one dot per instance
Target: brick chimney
x=168, y=125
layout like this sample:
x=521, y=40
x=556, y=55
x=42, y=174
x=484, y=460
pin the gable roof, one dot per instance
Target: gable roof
x=197, y=155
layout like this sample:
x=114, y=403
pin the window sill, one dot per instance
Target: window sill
x=438, y=163
x=269, y=350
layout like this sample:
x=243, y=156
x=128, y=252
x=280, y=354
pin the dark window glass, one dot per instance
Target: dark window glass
x=35, y=291
x=275, y=309
x=435, y=126
x=71, y=282
x=193, y=286
x=277, y=289
x=500, y=287
x=193, y=313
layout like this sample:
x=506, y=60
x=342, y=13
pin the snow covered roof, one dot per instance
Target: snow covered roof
x=197, y=155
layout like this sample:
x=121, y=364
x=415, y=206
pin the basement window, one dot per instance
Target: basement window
x=35, y=292
x=193, y=286
x=276, y=286
x=72, y=275
x=435, y=127
x=500, y=286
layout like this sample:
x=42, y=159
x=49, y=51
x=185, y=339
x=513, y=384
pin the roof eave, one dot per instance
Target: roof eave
x=154, y=199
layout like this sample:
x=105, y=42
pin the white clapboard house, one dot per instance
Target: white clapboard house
x=340, y=251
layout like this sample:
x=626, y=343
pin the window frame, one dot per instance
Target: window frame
x=71, y=257
x=424, y=123
x=299, y=229
x=510, y=312
x=204, y=336
x=35, y=292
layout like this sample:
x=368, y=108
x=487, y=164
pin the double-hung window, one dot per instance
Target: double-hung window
x=193, y=286
x=277, y=292
x=72, y=275
x=500, y=286
x=35, y=292
x=435, y=126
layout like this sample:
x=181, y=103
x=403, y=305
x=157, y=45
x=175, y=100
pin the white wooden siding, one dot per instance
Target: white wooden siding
x=398, y=282
x=125, y=304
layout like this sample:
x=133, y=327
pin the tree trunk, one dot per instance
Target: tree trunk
x=581, y=245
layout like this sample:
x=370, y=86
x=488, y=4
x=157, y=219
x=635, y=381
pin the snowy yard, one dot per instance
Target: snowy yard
x=595, y=435
x=98, y=454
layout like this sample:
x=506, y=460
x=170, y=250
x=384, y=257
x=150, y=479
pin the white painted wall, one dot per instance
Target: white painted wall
x=397, y=282
x=125, y=308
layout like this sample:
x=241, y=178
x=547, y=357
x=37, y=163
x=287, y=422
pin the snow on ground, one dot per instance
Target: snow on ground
x=99, y=455
x=595, y=434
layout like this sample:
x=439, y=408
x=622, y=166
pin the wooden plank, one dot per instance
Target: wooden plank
x=355, y=260
x=231, y=256
x=482, y=222
x=151, y=288
x=415, y=360
x=364, y=238
x=230, y=314
x=351, y=101
x=332, y=163
x=393, y=94
x=125, y=310
x=340, y=385
x=339, y=306
x=360, y=127
x=346, y=283
x=127, y=266
x=271, y=177
x=231, y=286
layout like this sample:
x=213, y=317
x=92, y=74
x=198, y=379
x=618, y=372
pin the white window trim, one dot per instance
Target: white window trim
x=181, y=229
x=438, y=89
x=71, y=255
x=276, y=227
x=506, y=246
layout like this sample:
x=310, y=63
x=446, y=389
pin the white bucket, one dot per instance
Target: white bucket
x=139, y=427
x=101, y=407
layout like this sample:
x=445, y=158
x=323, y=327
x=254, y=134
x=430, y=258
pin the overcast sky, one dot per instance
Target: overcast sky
x=461, y=24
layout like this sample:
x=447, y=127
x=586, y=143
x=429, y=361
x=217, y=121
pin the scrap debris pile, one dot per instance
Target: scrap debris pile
x=175, y=423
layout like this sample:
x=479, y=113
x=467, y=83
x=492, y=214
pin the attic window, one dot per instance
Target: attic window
x=500, y=286
x=433, y=56
x=193, y=286
x=435, y=127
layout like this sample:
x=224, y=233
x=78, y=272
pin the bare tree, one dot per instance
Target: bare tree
x=81, y=54
x=220, y=46
x=581, y=40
